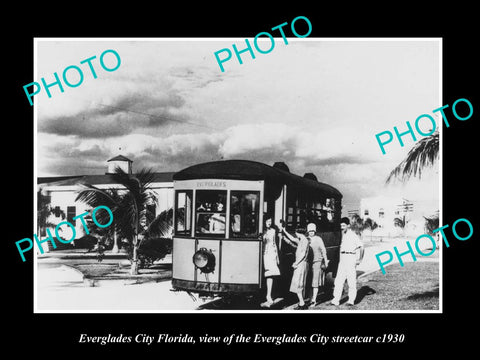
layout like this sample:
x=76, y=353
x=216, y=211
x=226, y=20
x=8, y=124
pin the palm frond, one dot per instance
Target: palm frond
x=128, y=204
x=94, y=196
x=135, y=183
x=423, y=154
x=146, y=177
x=161, y=225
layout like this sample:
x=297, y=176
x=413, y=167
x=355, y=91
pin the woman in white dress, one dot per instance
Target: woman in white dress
x=270, y=257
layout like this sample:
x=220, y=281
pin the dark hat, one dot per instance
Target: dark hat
x=345, y=220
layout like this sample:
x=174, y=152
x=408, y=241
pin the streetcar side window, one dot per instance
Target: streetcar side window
x=329, y=209
x=244, y=211
x=210, y=207
x=303, y=208
x=183, y=212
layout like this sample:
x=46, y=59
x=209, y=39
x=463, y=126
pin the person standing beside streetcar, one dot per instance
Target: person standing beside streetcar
x=319, y=262
x=348, y=263
x=300, y=265
x=270, y=258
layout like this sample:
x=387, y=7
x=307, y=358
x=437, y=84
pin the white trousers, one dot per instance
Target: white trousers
x=346, y=271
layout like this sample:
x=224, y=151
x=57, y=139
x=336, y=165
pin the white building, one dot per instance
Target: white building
x=62, y=191
x=384, y=210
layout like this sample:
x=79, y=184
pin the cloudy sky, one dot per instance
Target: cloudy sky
x=315, y=104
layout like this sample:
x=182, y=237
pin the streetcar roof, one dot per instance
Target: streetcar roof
x=252, y=170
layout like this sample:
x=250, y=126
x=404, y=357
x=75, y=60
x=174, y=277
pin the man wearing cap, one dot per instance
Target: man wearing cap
x=348, y=263
x=319, y=259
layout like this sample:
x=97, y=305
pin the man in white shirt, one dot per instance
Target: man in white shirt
x=347, y=264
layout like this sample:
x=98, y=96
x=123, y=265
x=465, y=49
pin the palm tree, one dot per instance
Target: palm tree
x=399, y=222
x=157, y=238
x=129, y=206
x=44, y=210
x=424, y=153
x=369, y=224
x=95, y=197
x=358, y=225
x=431, y=223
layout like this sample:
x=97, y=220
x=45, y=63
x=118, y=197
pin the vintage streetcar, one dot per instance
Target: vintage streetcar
x=219, y=215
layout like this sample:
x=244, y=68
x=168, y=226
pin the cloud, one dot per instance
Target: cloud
x=199, y=77
x=264, y=142
x=282, y=142
x=59, y=155
x=122, y=116
x=315, y=105
x=255, y=137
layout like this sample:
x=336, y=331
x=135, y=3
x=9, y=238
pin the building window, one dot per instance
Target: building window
x=365, y=213
x=183, y=213
x=210, y=208
x=381, y=214
x=244, y=209
x=57, y=211
x=71, y=213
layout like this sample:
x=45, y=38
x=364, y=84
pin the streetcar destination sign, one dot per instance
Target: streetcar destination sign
x=211, y=183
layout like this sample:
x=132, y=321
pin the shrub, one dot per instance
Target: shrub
x=153, y=249
x=86, y=242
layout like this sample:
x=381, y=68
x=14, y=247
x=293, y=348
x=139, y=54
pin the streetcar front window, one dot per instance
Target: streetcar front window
x=210, y=208
x=244, y=209
x=183, y=212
